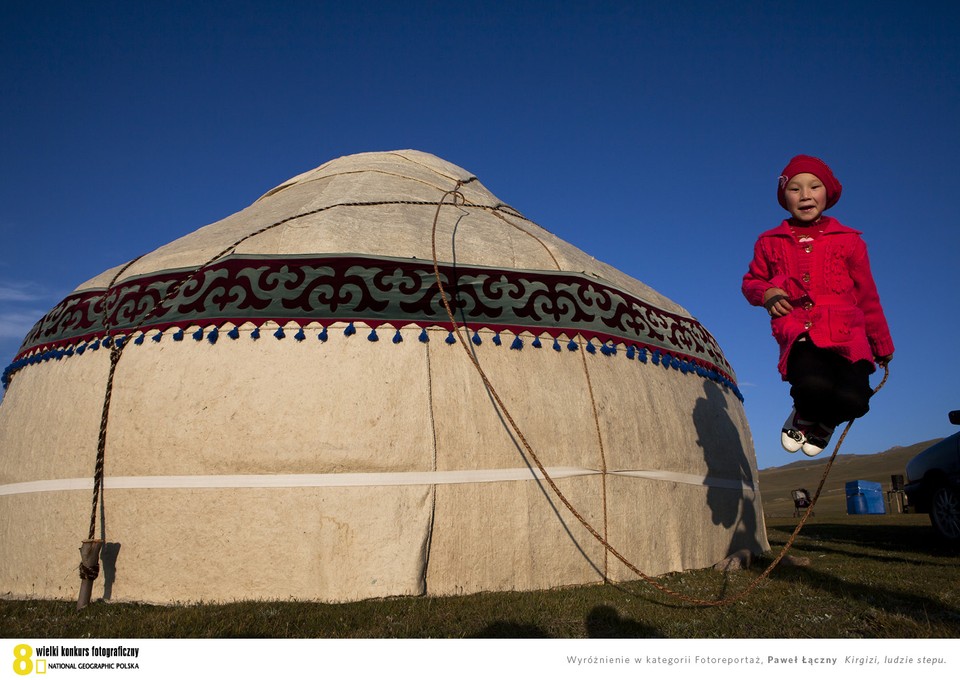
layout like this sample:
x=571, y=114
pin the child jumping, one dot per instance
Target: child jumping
x=813, y=277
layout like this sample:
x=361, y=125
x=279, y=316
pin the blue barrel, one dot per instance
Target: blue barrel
x=865, y=498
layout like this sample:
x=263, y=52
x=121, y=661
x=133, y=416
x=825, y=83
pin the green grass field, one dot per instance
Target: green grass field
x=870, y=576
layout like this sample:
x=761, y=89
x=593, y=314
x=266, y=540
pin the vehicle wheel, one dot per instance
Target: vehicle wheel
x=945, y=512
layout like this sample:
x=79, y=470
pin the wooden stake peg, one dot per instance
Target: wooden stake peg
x=89, y=570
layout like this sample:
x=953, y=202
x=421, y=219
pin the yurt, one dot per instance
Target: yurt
x=376, y=380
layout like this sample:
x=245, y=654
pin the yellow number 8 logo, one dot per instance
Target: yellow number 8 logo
x=22, y=661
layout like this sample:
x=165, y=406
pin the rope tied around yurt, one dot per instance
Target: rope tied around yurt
x=91, y=547
x=459, y=201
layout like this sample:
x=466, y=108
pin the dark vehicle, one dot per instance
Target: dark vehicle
x=933, y=483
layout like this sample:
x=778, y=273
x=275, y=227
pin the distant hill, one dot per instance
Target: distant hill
x=777, y=483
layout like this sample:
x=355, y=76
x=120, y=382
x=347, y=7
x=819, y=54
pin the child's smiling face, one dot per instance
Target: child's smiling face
x=806, y=197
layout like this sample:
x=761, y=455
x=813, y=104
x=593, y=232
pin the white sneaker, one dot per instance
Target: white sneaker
x=817, y=439
x=792, y=436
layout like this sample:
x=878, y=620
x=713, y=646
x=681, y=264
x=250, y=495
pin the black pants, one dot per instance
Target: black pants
x=825, y=387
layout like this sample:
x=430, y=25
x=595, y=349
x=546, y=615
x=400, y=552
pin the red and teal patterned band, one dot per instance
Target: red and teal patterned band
x=376, y=291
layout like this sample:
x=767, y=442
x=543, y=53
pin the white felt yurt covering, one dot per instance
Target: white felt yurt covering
x=291, y=416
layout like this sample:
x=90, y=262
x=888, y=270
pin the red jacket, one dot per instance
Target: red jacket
x=831, y=289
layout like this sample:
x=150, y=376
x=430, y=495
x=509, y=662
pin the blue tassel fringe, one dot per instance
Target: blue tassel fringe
x=642, y=354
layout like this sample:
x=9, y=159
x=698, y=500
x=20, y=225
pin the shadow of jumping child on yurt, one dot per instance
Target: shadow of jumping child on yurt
x=730, y=479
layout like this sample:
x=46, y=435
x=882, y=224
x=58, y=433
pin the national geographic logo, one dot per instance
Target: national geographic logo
x=26, y=660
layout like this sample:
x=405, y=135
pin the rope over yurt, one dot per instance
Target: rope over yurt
x=279, y=405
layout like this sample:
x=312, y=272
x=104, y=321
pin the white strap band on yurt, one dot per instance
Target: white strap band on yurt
x=352, y=479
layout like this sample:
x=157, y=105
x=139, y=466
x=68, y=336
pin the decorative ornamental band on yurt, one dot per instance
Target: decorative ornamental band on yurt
x=375, y=291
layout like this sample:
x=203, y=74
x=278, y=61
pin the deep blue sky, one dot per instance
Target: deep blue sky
x=649, y=134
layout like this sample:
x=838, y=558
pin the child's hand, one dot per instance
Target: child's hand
x=884, y=360
x=776, y=303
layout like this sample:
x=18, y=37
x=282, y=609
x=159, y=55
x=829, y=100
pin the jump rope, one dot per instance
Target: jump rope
x=90, y=549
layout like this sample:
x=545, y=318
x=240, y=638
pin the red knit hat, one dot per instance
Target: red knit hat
x=814, y=166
